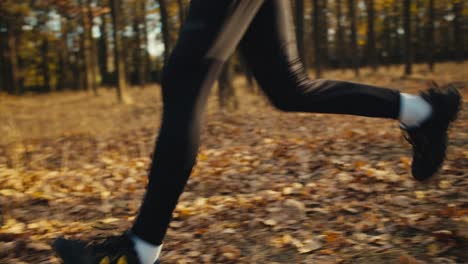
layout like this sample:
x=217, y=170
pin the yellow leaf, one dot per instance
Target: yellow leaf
x=122, y=260
x=270, y=222
x=420, y=194
x=433, y=249
x=332, y=236
x=105, y=260
x=445, y=184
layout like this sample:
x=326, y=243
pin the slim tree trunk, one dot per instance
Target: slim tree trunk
x=396, y=53
x=299, y=10
x=387, y=45
x=45, y=63
x=340, y=47
x=181, y=11
x=226, y=95
x=317, y=43
x=64, y=63
x=354, y=48
x=418, y=32
x=371, y=45
x=119, y=66
x=92, y=49
x=104, y=52
x=458, y=30
x=430, y=36
x=408, y=37
x=140, y=46
x=3, y=56
x=247, y=72
x=165, y=28
x=323, y=27
x=85, y=46
x=14, y=70
x=146, y=57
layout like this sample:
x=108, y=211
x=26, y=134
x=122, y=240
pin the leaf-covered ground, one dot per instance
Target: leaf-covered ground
x=269, y=187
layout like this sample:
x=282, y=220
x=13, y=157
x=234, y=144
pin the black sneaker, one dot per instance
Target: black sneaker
x=429, y=140
x=112, y=250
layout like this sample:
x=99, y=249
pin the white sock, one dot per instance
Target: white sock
x=147, y=253
x=414, y=110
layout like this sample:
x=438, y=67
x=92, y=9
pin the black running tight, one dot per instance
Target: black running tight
x=264, y=32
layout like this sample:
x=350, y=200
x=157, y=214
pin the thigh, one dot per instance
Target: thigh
x=215, y=27
x=204, y=20
x=209, y=36
x=270, y=49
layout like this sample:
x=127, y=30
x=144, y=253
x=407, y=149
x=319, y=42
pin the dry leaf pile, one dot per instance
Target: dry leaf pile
x=269, y=187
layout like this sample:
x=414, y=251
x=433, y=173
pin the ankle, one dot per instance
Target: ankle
x=146, y=252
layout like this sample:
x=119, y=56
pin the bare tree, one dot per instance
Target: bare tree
x=119, y=66
x=430, y=35
x=340, y=46
x=354, y=48
x=408, y=37
x=165, y=28
x=300, y=13
x=14, y=81
x=103, y=52
x=92, y=48
x=371, y=45
x=181, y=11
x=458, y=30
x=226, y=94
x=317, y=43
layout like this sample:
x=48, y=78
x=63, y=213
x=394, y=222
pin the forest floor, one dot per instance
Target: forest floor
x=269, y=187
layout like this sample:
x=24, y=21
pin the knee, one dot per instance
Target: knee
x=286, y=99
x=282, y=103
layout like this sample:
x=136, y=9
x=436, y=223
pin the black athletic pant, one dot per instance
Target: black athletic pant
x=265, y=34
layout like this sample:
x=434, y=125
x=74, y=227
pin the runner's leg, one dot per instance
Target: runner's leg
x=211, y=33
x=270, y=49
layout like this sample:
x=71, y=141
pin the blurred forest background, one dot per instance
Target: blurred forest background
x=80, y=108
x=56, y=45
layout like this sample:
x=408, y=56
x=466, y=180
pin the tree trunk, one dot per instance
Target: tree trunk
x=165, y=29
x=396, y=40
x=146, y=57
x=387, y=45
x=104, y=52
x=418, y=32
x=119, y=66
x=458, y=30
x=408, y=37
x=354, y=48
x=249, y=77
x=340, y=47
x=3, y=56
x=317, y=43
x=323, y=27
x=64, y=63
x=45, y=63
x=14, y=71
x=430, y=36
x=371, y=45
x=299, y=8
x=85, y=47
x=181, y=12
x=92, y=49
x=226, y=95
x=140, y=46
